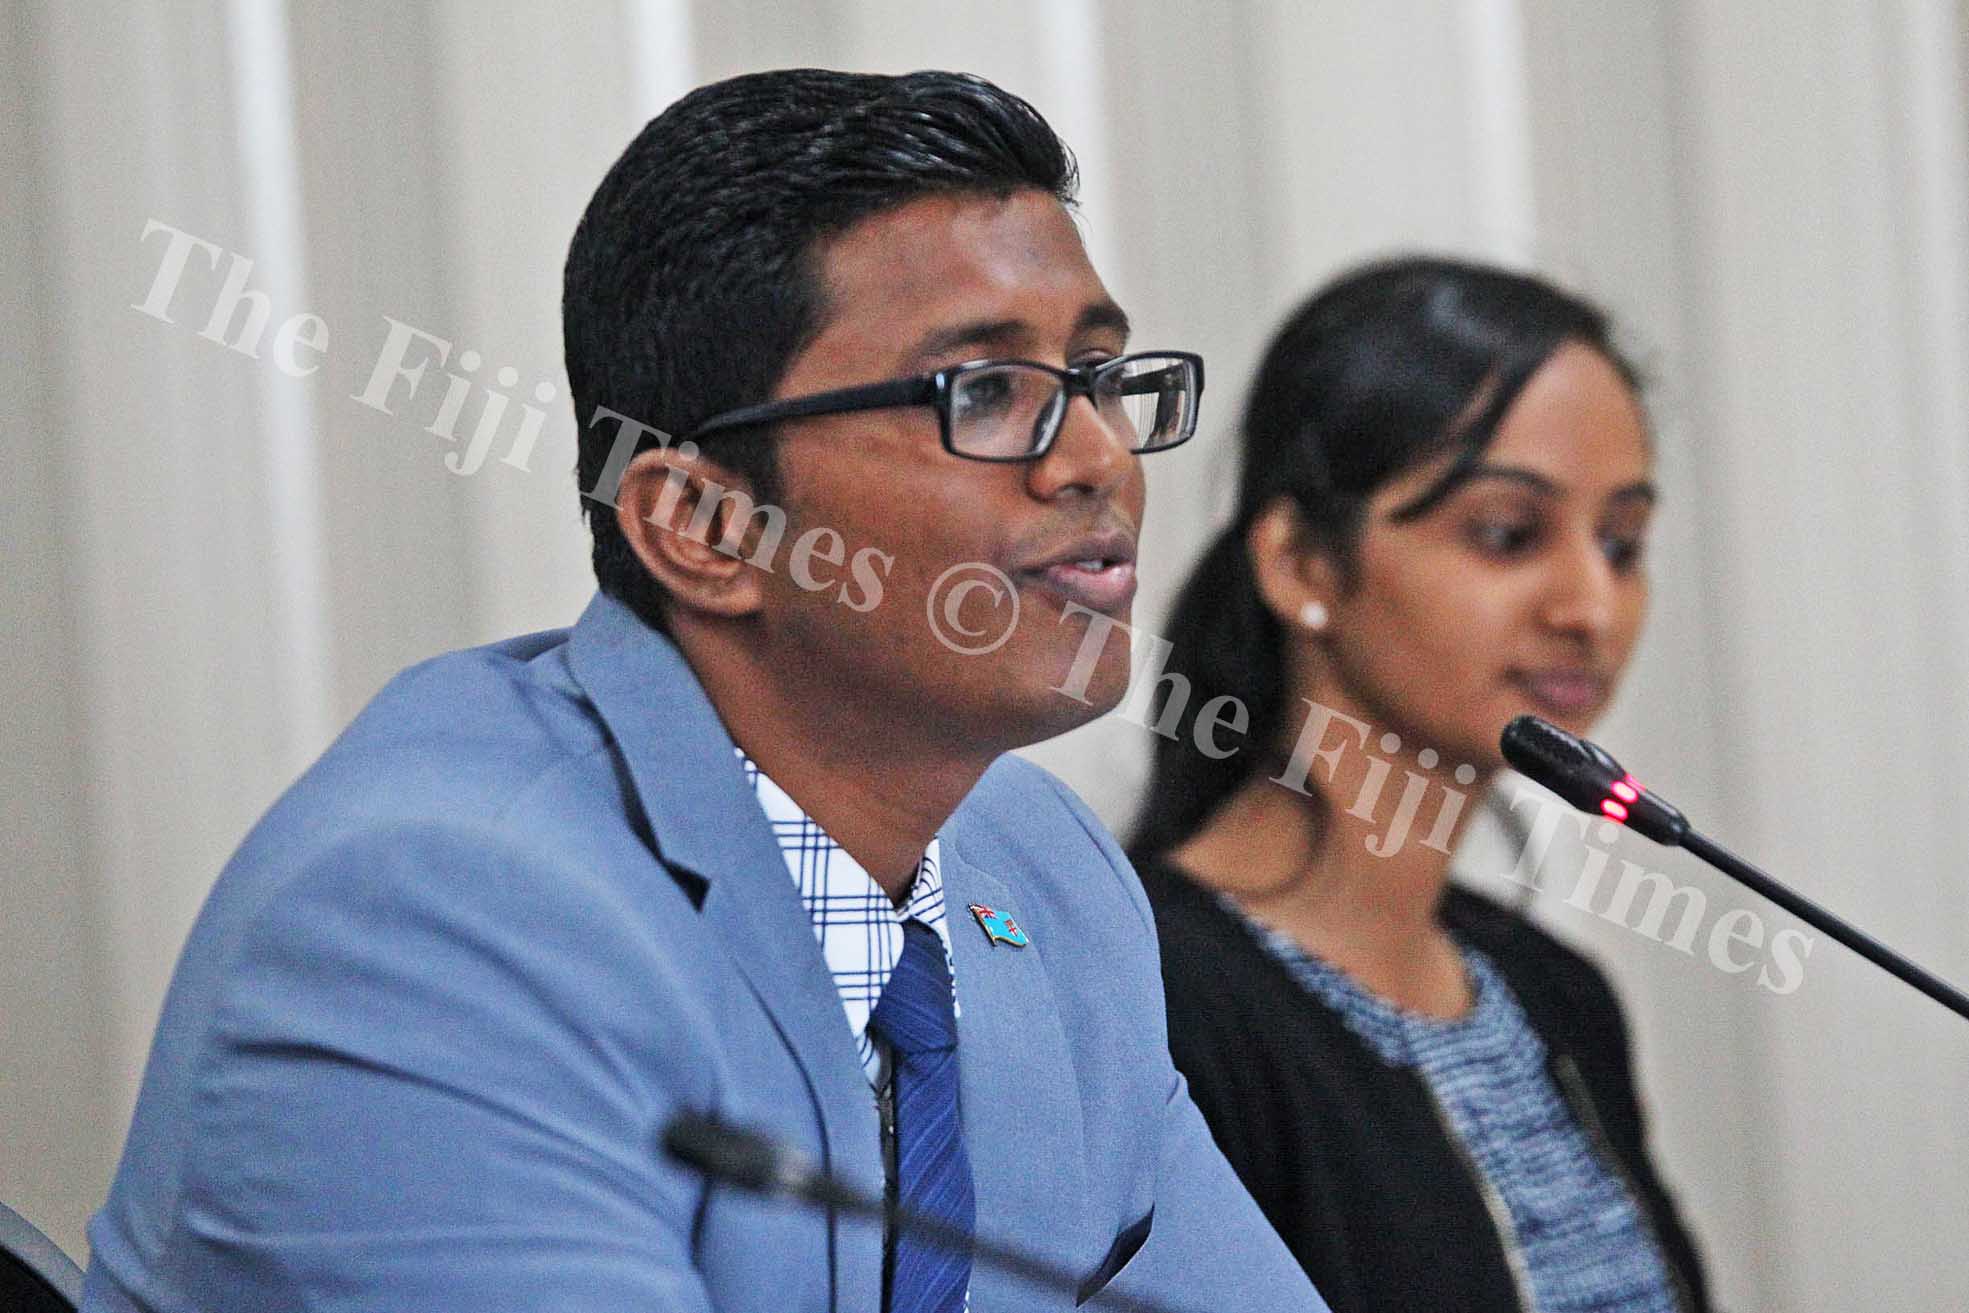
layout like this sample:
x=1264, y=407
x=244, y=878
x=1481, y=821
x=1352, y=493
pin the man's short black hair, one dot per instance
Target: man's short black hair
x=692, y=280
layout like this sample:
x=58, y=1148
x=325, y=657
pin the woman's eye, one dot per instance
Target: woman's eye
x=1503, y=538
x=1623, y=553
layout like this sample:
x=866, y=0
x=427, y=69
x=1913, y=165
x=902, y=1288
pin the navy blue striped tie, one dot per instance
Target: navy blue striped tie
x=918, y=1020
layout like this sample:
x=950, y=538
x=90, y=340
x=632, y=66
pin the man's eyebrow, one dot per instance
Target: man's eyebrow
x=1098, y=316
x=1103, y=315
x=1641, y=490
x=980, y=332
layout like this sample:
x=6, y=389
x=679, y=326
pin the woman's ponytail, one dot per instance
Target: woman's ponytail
x=1224, y=641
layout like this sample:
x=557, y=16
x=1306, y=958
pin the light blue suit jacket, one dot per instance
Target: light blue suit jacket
x=428, y=1028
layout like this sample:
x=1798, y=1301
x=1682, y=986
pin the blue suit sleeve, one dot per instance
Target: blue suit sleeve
x=428, y=1087
x=1208, y=1234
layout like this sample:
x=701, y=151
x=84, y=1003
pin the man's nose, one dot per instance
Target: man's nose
x=1090, y=453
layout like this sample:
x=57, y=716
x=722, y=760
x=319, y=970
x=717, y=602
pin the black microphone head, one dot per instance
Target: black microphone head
x=1578, y=771
x=753, y=1160
x=739, y=1157
x=1587, y=776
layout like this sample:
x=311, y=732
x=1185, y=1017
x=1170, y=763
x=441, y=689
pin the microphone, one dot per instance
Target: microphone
x=754, y=1161
x=1586, y=775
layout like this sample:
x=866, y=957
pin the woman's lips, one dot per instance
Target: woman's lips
x=1105, y=587
x=1562, y=692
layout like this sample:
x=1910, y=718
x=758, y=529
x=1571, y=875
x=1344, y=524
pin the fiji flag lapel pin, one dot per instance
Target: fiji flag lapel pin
x=998, y=927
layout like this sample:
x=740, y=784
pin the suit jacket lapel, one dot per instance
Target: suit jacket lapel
x=1020, y=1099
x=706, y=820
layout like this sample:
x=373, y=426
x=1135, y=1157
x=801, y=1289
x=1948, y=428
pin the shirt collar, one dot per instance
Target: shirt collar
x=860, y=931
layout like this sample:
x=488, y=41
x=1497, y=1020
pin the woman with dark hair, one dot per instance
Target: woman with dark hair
x=1445, y=495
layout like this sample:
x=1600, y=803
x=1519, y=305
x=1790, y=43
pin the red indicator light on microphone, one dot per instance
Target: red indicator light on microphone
x=1625, y=792
x=1613, y=808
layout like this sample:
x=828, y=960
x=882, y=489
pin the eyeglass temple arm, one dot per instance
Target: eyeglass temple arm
x=871, y=396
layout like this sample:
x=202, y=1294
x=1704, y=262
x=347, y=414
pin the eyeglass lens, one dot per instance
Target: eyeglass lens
x=1011, y=410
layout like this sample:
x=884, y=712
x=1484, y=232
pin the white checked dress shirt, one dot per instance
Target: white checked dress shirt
x=859, y=929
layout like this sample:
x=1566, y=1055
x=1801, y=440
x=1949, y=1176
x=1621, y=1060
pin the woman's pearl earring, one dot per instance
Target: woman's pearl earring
x=1313, y=616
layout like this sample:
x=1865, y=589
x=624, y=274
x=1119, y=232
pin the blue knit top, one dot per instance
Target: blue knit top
x=1577, y=1240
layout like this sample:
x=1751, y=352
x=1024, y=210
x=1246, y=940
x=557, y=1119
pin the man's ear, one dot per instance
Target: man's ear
x=1292, y=571
x=692, y=524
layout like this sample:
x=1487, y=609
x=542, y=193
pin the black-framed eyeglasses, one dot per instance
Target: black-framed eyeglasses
x=1011, y=410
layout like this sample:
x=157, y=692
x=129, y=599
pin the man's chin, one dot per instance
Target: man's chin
x=1077, y=696
x=1046, y=680
x=1088, y=652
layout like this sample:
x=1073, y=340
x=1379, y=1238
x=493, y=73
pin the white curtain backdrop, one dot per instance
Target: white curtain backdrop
x=213, y=560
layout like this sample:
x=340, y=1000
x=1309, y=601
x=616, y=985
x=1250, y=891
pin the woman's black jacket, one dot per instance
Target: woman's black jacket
x=1347, y=1156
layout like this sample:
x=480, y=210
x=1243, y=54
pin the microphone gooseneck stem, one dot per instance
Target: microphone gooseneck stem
x=1812, y=914
x=752, y=1160
x=1029, y=1267
x=1585, y=774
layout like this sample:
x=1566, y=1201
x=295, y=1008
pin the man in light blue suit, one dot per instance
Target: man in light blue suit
x=743, y=841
